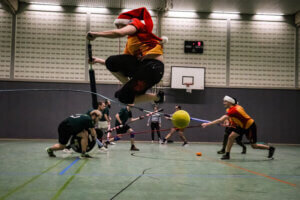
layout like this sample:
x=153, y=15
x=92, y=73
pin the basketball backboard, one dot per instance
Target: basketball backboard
x=189, y=78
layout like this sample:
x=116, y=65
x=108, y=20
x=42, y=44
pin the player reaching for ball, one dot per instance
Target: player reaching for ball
x=244, y=124
x=175, y=129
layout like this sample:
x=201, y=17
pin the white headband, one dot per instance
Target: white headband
x=230, y=99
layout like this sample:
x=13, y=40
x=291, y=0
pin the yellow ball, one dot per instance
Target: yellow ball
x=181, y=119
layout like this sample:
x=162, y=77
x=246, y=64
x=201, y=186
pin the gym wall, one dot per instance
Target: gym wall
x=252, y=60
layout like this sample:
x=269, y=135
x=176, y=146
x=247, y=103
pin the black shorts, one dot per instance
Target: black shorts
x=143, y=75
x=99, y=133
x=64, y=132
x=123, y=130
x=251, y=133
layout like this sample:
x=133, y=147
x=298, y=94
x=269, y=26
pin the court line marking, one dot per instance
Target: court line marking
x=68, y=167
x=244, y=169
x=128, y=185
x=254, y=172
x=69, y=181
x=29, y=181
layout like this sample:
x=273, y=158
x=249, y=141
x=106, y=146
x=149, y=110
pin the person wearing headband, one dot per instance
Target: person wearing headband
x=244, y=125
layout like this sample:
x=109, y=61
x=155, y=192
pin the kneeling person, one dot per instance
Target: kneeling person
x=77, y=125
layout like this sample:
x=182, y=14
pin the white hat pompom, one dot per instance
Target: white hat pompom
x=164, y=40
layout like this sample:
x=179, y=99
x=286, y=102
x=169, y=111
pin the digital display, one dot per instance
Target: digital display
x=193, y=46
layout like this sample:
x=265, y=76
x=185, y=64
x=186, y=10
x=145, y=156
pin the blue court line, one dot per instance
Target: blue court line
x=66, y=169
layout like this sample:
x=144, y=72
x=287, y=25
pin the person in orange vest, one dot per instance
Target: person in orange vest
x=244, y=125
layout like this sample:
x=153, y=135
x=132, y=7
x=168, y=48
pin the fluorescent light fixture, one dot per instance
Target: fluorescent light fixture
x=274, y=14
x=225, y=15
x=99, y=10
x=223, y=12
x=268, y=17
x=45, y=7
x=182, y=14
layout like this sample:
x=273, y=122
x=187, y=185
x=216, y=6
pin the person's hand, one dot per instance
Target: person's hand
x=204, y=125
x=141, y=117
x=93, y=61
x=90, y=36
x=147, y=124
x=160, y=125
x=96, y=60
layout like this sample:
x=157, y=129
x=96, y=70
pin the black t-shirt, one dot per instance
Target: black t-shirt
x=105, y=111
x=79, y=123
x=124, y=115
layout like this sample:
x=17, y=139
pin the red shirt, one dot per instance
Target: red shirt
x=142, y=42
x=239, y=117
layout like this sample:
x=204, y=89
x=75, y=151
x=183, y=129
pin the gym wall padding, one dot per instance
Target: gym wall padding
x=37, y=114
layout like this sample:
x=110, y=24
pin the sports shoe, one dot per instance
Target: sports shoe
x=112, y=143
x=222, y=151
x=244, y=150
x=271, y=152
x=50, y=152
x=152, y=141
x=103, y=149
x=85, y=155
x=67, y=151
x=164, y=141
x=161, y=97
x=184, y=144
x=225, y=157
x=133, y=148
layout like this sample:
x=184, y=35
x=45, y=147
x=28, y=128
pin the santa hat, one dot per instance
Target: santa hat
x=230, y=100
x=139, y=13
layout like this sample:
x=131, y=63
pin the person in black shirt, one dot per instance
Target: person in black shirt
x=121, y=118
x=76, y=125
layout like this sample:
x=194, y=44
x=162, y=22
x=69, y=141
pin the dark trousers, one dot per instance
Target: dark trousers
x=155, y=126
x=143, y=75
x=238, y=140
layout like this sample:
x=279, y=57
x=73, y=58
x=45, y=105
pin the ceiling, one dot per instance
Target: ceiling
x=286, y=7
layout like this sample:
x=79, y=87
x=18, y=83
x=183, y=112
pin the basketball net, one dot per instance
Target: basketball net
x=188, y=89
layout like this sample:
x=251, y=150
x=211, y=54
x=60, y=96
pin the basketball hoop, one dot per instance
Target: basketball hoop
x=188, y=89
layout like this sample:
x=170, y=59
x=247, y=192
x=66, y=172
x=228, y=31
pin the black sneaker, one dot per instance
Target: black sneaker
x=50, y=152
x=222, y=151
x=225, y=157
x=161, y=97
x=164, y=141
x=184, y=144
x=271, y=152
x=133, y=148
x=85, y=155
x=244, y=150
x=106, y=144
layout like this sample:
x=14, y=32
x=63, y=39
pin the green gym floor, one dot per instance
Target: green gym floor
x=155, y=172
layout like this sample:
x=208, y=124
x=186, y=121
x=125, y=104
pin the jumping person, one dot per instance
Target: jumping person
x=173, y=130
x=121, y=118
x=141, y=66
x=244, y=125
x=155, y=123
x=77, y=125
x=228, y=129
